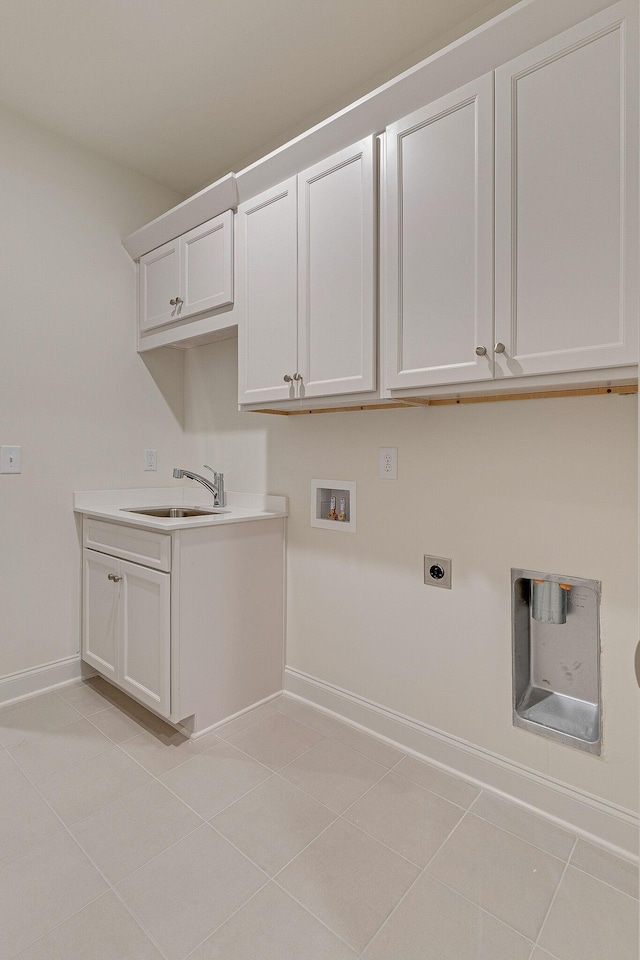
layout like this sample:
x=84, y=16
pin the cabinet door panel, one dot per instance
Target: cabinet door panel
x=145, y=635
x=206, y=263
x=337, y=273
x=158, y=283
x=439, y=241
x=100, y=622
x=267, y=295
x=566, y=203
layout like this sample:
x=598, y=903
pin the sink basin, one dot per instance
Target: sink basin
x=174, y=513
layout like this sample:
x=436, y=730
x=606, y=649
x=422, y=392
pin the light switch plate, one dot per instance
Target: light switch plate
x=10, y=459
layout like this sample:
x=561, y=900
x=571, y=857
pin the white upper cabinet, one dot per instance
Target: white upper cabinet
x=187, y=276
x=567, y=201
x=267, y=295
x=438, y=241
x=306, y=272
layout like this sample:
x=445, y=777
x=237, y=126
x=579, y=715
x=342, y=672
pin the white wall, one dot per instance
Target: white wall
x=548, y=485
x=73, y=391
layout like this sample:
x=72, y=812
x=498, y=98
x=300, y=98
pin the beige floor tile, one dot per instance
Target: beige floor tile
x=116, y=724
x=514, y=819
x=432, y=778
x=539, y=954
x=43, y=888
x=275, y=741
x=9, y=769
x=42, y=753
x=232, y=727
x=183, y=895
x=434, y=923
x=38, y=715
x=326, y=725
x=272, y=926
x=333, y=774
x=160, y=752
x=606, y=867
x=87, y=696
x=349, y=881
x=273, y=823
x=82, y=788
x=124, y=835
x=590, y=921
x=26, y=820
x=513, y=880
x=410, y=820
x=211, y=780
x=104, y=930
x=368, y=746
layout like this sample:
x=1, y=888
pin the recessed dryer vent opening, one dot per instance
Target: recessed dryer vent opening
x=556, y=657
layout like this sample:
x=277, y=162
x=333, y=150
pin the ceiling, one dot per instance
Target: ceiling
x=184, y=91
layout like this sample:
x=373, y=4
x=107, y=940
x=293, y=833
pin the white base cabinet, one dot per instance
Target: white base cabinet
x=306, y=272
x=127, y=635
x=189, y=623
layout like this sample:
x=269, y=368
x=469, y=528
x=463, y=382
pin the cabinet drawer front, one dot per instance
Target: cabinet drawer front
x=130, y=543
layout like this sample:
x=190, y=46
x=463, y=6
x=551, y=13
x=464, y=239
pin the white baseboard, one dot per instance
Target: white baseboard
x=30, y=683
x=589, y=816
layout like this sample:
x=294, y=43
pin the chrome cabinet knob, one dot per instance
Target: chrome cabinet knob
x=499, y=347
x=112, y=576
x=176, y=302
x=481, y=351
x=297, y=376
x=287, y=378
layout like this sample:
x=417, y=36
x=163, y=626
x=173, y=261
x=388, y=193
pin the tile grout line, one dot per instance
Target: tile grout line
x=553, y=898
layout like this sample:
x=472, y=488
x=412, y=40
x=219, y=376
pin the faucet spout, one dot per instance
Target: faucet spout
x=216, y=488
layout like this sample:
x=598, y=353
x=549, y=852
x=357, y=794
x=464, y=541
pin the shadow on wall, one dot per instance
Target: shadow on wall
x=166, y=367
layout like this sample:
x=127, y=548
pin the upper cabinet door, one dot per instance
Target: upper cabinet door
x=567, y=201
x=267, y=295
x=158, y=285
x=206, y=265
x=438, y=241
x=337, y=273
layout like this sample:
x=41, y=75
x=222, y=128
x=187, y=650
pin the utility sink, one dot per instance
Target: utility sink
x=174, y=513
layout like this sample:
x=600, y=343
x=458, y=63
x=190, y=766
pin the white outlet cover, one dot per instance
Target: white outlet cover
x=388, y=463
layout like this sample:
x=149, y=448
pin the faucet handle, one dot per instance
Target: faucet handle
x=214, y=472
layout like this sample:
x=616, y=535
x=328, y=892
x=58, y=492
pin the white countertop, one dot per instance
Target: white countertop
x=115, y=505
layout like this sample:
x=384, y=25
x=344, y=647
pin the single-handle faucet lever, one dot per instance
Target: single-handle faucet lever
x=216, y=488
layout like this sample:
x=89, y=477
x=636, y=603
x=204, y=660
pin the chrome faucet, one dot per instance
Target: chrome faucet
x=216, y=487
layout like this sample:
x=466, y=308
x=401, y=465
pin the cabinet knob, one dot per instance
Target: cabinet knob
x=176, y=302
x=297, y=376
x=287, y=378
x=499, y=347
x=112, y=576
x=481, y=351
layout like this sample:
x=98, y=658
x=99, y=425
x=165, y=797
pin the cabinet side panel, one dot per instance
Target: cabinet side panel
x=231, y=617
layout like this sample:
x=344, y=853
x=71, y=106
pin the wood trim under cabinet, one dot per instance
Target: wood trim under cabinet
x=407, y=402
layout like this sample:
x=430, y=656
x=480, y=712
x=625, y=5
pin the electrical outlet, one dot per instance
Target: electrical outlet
x=151, y=460
x=388, y=463
x=437, y=572
x=10, y=459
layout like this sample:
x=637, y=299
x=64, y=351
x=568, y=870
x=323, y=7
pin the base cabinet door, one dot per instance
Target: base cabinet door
x=127, y=627
x=100, y=614
x=145, y=638
x=567, y=200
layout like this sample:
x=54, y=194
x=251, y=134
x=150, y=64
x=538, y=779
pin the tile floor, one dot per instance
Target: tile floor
x=286, y=835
